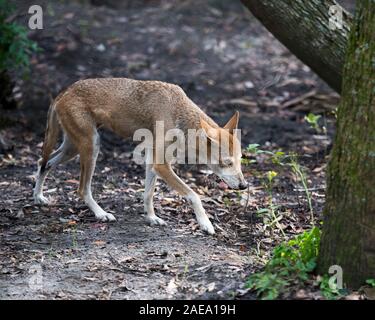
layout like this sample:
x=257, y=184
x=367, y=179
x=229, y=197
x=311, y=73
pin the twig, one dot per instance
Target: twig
x=309, y=189
x=272, y=82
x=299, y=99
x=123, y=268
x=241, y=102
x=38, y=242
x=14, y=16
x=247, y=203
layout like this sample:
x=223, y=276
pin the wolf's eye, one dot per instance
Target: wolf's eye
x=226, y=163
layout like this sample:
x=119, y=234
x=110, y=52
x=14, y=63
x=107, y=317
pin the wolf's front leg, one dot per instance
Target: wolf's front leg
x=166, y=172
x=200, y=213
x=150, y=183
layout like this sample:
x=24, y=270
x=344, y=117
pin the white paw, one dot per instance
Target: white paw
x=154, y=221
x=206, y=225
x=106, y=217
x=40, y=199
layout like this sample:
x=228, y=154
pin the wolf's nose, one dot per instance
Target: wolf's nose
x=242, y=186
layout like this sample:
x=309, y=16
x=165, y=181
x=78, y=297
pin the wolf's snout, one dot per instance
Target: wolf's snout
x=236, y=182
x=242, y=186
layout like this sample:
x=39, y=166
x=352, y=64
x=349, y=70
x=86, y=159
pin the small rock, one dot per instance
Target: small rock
x=101, y=47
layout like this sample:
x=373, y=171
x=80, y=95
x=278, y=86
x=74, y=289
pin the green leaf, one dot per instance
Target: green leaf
x=371, y=282
x=291, y=262
x=15, y=47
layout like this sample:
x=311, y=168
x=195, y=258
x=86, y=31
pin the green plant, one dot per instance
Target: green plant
x=270, y=176
x=313, y=121
x=278, y=158
x=329, y=288
x=253, y=149
x=371, y=282
x=247, y=162
x=270, y=214
x=291, y=263
x=300, y=173
x=227, y=202
x=291, y=160
x=186, y=271
x=282, y=159
x=73, y=230
x=15, y=47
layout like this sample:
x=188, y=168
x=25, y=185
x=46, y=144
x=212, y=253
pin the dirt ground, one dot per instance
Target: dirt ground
x=225, y=61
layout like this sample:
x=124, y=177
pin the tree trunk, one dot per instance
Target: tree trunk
x=6, y=89
x=348, y=237
x=6, y=102
x=304, y=28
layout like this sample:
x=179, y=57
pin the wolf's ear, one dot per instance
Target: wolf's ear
x=210, y=132
x=232, y=124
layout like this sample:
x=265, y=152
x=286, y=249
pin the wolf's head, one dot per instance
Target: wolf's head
x=224, y=152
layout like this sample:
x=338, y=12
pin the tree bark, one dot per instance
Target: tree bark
x=304, y=28
x=348, y=237
x=6, y=89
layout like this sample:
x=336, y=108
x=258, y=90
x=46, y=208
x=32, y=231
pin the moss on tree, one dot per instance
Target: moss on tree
x=348, y=238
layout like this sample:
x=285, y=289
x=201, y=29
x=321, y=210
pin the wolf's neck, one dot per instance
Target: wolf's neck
x=189, y=118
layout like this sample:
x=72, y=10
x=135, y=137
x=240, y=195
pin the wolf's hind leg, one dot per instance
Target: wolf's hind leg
x=64, y=153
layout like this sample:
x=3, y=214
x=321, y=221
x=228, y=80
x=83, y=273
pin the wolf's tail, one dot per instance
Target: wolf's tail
x=51, y=136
